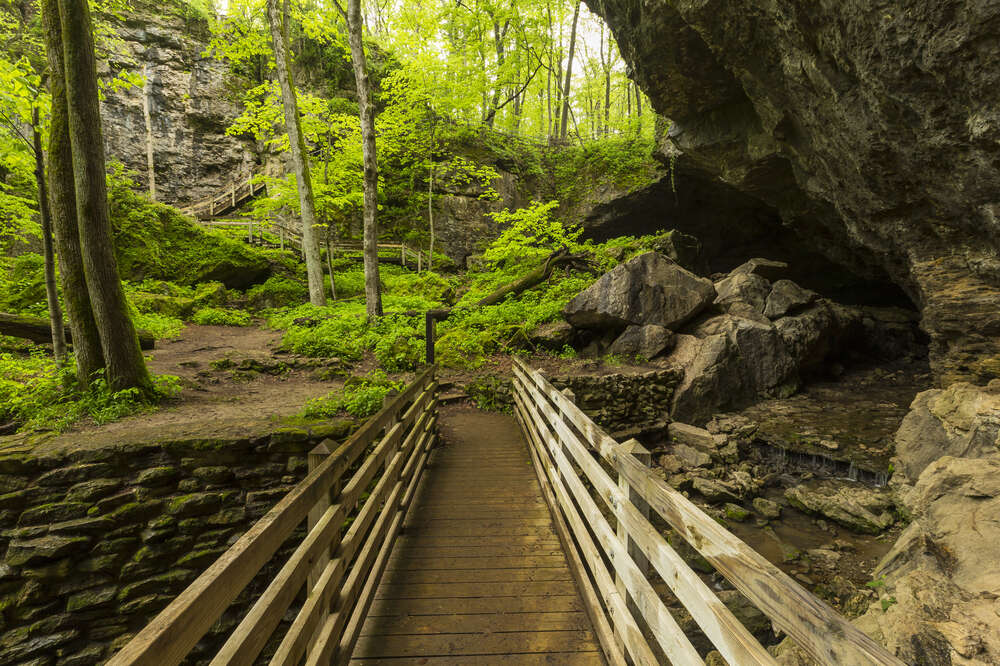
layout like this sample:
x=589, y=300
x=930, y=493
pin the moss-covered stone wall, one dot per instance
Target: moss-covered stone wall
x=625, y=404
x=97, y=542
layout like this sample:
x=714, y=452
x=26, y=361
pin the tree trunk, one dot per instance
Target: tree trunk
x=329, y=264
x=278, y=20
x=532, y=278
x=373, y=290
x=147, y=91
x=569, y=73
x=430, y=217
x=39, y=330
x=123, y=358
x=51, y=292
x=62, y=208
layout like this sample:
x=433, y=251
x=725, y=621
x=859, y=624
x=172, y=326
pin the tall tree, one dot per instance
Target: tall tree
x=125, y=366
x=62, y=204
x=51, y=291
x=278, y=20
x=569, y=72
x=366, y=111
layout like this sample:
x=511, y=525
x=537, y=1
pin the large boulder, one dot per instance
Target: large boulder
x=648, y=289
x=962, y=420
x=787, y=297
x=940, y=582
x=728, y=362
x=853, y=505
x=871, y=127
x=746, y=288
x=648, y=341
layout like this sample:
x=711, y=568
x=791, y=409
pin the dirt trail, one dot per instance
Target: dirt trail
x=240, y=398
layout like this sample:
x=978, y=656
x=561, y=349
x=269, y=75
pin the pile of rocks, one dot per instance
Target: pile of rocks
x=748, y=335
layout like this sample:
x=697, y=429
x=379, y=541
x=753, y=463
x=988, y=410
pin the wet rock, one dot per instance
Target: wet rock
x=853, y=505
x=729, y=360
x=745, y=288
x=691, y=457
x=823, y=558
x=766, y=268
x=735, y=512
x=43, y=549
x=649, y=289
x=942, y=570
x=714, y=491
x=554, y=335
x=787, y=297
x=767, y=508
x=962, y=421
x=647, y=341
x=699, y=438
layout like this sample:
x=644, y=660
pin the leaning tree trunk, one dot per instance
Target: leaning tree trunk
x=123, y=358
x=51, y=292
x=278, y=20
x=62, y=208
x=569, y=73
x=373, y=291
x=430, y=217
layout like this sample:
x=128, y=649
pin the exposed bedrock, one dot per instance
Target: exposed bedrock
x=871, y=128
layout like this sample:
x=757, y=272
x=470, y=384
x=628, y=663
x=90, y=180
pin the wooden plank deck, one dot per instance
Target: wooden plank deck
x=478, y=575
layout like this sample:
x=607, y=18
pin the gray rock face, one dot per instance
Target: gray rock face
x=553, y=335
x=765, y=268
x=189, y=107
x=787, y=297
x=941, y=575
x=962, y=420
x=729, y=361
x=747, y=288
x=648, y=289
x=648, y=341
x=853, y=505
x=873, y=132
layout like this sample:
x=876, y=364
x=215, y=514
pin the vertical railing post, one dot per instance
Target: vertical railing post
x=429, y=331
x=232, y=193
x=420, y=258
x=642, y=454
x=402, y=254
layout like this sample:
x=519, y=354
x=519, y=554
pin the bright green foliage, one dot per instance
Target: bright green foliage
x=360, y=397
x=161, y=326
x=22, y=285
x=277, y=292
x=529, y=235
x=38, y=394
x=221, y=317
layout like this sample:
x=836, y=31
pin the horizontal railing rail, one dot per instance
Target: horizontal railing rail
x=371, y=479
x=574, y=457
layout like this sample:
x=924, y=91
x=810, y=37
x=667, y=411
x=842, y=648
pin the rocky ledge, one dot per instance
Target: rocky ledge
x=872, y=128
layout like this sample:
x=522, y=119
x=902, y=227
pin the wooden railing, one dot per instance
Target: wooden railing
x=227, y=201
x=601, y=492
x=416, y=257
x=339, y=572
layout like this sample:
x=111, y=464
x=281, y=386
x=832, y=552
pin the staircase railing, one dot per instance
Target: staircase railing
x=338, y=572
x=591, y=477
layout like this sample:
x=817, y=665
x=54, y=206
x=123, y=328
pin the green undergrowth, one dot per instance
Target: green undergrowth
x=361, y=396
x=221, y=317
x=37, y=394
x=471, y=333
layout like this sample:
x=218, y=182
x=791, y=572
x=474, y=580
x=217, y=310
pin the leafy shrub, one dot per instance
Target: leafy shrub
x=360, y=397
x=277, y=292
x=22, y=285
x=530, y=235
x=221, y=317
x=161, y=326
x=38, y=394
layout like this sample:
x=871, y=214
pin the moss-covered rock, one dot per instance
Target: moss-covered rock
x=195, y=504
x=92, y=598
x=43, y=549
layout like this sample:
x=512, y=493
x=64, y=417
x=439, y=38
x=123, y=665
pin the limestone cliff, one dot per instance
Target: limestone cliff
x=872, y=128
x=185, y=100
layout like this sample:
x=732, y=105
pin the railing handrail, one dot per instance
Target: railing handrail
x=567, y=437
x=400, y=455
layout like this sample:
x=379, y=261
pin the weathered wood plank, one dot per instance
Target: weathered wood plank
x=477, y=644
x=537, y=659
x=492, y=605
x=476, y=623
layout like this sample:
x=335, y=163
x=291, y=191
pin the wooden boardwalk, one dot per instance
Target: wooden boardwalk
x=478, y=575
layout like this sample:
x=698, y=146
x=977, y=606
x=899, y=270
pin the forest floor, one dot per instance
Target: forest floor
x=235, y=384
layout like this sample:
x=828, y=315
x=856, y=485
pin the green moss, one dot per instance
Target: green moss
x=221, y=317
